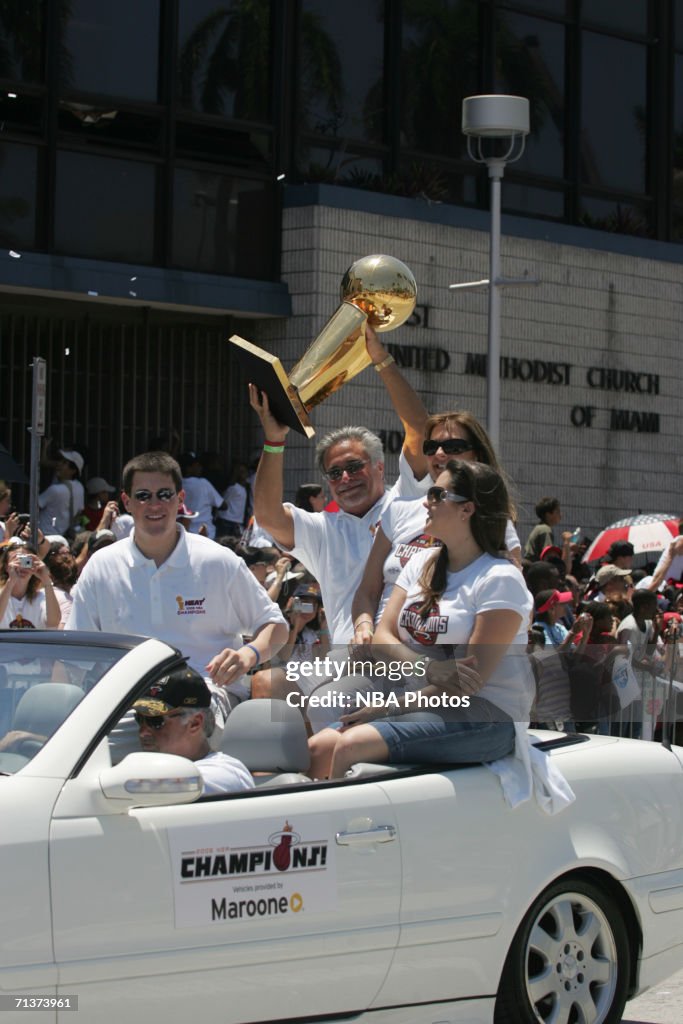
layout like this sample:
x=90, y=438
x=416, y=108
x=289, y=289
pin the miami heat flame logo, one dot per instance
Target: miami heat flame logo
x=282, y=841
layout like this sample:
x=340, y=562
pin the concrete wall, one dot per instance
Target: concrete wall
x=593, y=308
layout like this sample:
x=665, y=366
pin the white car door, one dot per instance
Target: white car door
x=256, y=907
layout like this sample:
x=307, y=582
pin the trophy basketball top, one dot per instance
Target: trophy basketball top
x=383, y=288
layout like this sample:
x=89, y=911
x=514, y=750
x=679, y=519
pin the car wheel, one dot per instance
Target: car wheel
x=569, y=962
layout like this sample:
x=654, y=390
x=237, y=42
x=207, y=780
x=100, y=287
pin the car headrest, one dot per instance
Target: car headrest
x=267, y=736
x=44, y=707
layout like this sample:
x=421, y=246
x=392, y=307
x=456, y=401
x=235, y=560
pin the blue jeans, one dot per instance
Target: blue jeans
x=471, y=735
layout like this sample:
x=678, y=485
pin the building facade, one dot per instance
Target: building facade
x=178, y=171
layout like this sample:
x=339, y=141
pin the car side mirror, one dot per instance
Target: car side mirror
x=145, y=779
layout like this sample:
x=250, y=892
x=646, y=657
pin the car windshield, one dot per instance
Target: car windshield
x=40, y=685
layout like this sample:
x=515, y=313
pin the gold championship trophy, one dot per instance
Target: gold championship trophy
x=375, y=290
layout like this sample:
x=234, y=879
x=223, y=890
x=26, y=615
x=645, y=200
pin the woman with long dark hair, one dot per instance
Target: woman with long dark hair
x=457, y=621
x=27, y=597
x=401, y=533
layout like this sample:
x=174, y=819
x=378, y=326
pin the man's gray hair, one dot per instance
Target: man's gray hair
x=371, y=443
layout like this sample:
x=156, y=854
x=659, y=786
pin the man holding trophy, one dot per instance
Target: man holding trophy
x=334, y=547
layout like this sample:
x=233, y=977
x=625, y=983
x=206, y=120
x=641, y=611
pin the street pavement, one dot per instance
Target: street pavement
x=661, y=1005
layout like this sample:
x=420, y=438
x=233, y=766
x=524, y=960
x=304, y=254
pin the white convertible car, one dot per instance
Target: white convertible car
x=411, y=896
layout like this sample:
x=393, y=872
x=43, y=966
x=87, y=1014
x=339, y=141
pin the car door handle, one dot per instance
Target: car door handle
x=381, y=834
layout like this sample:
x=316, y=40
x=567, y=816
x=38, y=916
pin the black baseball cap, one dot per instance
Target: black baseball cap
x=182, y=688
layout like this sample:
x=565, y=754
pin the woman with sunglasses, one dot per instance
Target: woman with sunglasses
x=27, y=597
x=401, y=533
x=460, y=616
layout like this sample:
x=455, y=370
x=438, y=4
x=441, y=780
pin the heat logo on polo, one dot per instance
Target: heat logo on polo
x=190, y=605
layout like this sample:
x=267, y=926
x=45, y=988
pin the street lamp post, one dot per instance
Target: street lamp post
x=486, y=120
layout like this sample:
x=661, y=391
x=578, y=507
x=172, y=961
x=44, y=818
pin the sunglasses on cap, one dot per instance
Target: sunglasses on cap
x=435, y=495
x=163, y=494
x=155, y=722
x=449, y=446
x=351, y=469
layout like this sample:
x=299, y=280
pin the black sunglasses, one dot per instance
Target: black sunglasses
x=435, y=495
x=449, y=445
x=351, y=469
x=155, y=722
x=163, y=494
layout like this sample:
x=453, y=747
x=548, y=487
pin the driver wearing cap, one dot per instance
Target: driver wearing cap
x=175, y=717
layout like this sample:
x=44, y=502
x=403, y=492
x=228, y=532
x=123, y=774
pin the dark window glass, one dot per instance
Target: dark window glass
x=541, y=202
x=104, y=208
x=211, y=140
x=340, y=69
x=111, y=48
x=20, y=112
x=623, y=218
x=677, y=183
x=547, y=6
x=678, y=24
x=18, y=170
x=340, y=167
x=614, y=100
x=440, y=45
x=625, y=16
x=21, y=40
x=224, y=57
x=98, y=125
x=677, y=229
x=530, y=62
x=434, y=183
x=223, y=224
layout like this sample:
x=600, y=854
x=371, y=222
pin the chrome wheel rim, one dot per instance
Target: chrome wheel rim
x=571, y=963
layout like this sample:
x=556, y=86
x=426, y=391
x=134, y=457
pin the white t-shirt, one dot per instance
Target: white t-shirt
x=486, y=584
x=403, y=525
x=235, y=498
x=334, y=547
x=223, y=774
x=201, y=599
x=201, y=497
x=56, y=506
x=26, y=613
x=675, y=570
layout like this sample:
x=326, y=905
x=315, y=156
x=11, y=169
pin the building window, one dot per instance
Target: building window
x=18, y=170
x=223, y=224
x=224, y=58
x=530, y=62
x=21, y=40
x=111, y=48
x=340, y=70
x=613, y=113
x=104, y=208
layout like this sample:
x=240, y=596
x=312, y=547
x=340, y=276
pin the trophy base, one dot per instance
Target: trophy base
x=266, y=373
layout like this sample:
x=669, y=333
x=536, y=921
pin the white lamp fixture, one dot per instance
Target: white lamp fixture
x=486, y=120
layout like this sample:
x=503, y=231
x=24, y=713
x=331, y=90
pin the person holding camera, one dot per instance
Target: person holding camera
x=27, y=597
x=308, y=639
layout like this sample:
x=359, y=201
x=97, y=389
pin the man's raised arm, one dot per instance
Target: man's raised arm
x=269, y=511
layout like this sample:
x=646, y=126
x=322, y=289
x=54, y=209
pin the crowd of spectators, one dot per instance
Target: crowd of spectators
x=430, y=570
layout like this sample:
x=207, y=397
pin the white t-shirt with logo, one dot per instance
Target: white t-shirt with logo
x=486, y=584
x=201, y=599
x=334, y=547
x=26, y=612
x=403, y=525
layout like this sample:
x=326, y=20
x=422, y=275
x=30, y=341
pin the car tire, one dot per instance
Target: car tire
x=569, y=960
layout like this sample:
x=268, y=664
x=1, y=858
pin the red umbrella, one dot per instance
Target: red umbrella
x=652, y=532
